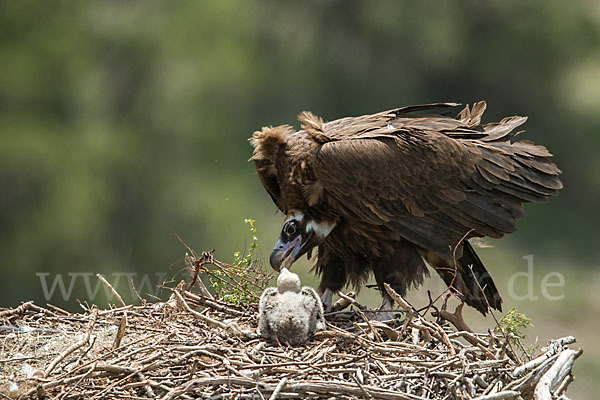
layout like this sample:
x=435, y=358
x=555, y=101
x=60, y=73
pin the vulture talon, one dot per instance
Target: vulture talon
x=384, y=316
x=455, y=318
x=383, y=313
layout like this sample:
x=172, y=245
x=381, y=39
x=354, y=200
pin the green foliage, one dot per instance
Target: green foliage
x=248, y=258
x=231, y=294
x=241, y=282
x=513, y=322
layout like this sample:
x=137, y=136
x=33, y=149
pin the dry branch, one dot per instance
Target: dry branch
x=555, y=375
x=505, y=395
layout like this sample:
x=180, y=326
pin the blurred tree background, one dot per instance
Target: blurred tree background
x=122, y=123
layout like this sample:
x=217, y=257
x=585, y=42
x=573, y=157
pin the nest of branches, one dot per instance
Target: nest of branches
x=202, y=343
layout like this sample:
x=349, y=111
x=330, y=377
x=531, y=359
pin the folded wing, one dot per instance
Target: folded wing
x=432, y=179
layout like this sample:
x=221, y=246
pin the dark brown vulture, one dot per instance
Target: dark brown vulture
x=389, y=192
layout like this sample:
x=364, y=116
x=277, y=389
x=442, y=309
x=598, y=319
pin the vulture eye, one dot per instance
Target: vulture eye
x=290, y=228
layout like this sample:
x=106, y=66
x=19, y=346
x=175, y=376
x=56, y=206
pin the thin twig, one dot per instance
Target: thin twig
x=278, y=388
x=112, y=289
x=120, y=331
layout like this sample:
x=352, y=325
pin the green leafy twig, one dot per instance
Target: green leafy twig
x=240, y=283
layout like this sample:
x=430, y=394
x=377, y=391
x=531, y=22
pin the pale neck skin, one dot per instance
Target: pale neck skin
x=288, y=281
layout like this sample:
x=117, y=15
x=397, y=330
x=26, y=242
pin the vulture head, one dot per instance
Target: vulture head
x=299, y=235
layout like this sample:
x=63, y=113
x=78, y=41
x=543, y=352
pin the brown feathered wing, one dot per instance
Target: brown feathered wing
x=434, y=179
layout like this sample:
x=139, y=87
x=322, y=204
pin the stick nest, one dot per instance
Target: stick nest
x=198, y=346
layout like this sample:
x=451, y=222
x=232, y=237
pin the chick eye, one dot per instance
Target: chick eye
x=290, y=228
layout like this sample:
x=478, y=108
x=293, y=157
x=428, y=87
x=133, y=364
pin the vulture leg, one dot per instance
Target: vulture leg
x=327, y=299
x=333, y=277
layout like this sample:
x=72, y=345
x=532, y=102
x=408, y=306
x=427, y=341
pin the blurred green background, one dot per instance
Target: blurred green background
x=123, y=122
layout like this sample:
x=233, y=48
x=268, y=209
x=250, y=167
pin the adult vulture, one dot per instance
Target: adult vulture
x=390, y=192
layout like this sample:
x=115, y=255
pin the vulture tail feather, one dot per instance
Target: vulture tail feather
x=472, y=281
x=477, y=279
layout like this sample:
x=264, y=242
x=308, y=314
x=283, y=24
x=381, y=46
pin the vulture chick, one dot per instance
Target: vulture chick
x=289, y=313
x=390, y=192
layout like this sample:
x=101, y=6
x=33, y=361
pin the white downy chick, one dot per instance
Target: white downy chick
x=290, y=313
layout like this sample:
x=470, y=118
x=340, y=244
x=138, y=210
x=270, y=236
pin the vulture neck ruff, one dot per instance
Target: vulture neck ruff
x=321, y=229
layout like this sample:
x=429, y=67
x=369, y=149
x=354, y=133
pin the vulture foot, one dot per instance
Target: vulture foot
x=383, y=316
x=384, y=312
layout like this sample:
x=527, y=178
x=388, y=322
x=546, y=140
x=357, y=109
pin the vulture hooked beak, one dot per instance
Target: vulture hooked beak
x=286, y=252
x=297, y=238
